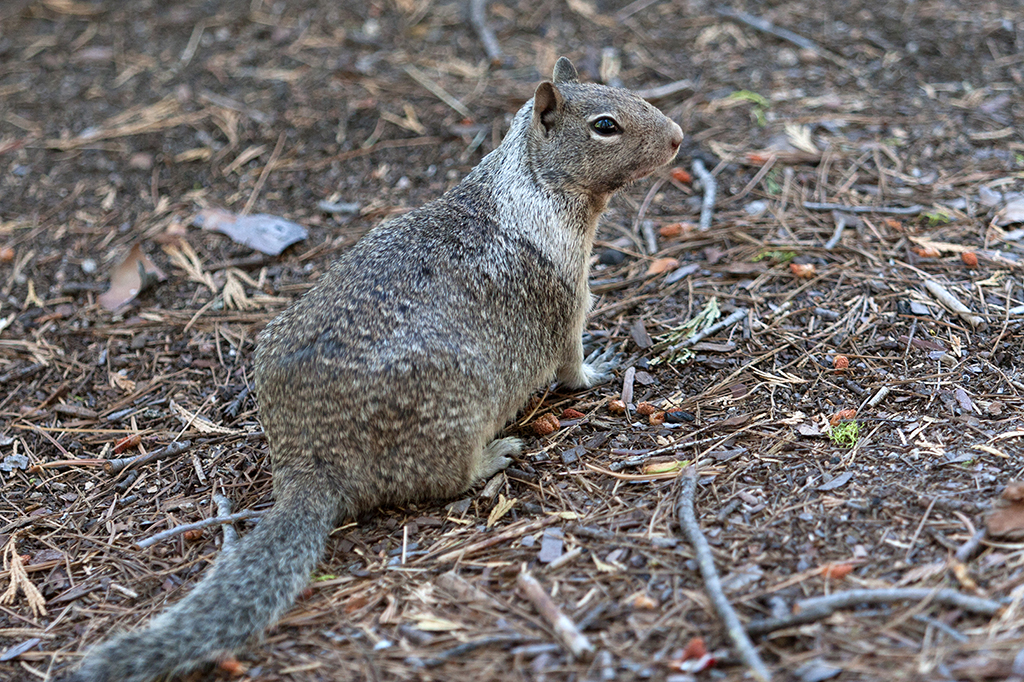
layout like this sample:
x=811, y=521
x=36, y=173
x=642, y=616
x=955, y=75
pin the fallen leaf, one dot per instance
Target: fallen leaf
x=841, y=415
x=836, y=571
x=131, y=277
x=660, y=265
x=642, y=600
x=266, y=233
x=1006, y=520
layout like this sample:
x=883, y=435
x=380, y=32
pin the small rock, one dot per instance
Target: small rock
x=786, y=57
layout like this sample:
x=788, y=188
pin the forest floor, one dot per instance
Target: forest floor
x=851, y=430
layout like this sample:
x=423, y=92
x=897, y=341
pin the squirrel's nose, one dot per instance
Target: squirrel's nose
x=677, y=137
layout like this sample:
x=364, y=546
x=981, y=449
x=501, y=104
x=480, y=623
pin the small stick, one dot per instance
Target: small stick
x=116, y=466
x=816, y=608
x=953, y=303
x=735, y=317
x=35, y=468
x=467, y=647
x=274, y=156
x=841, y=222
x=437, y=90
x=647, y=226
x=478, y=15
x=224, y=510
x=574, y=640
x=710, y=187
x=967, y=550
x=712, y=583
x=665, y=91
x=198, y=525
x=890, y=210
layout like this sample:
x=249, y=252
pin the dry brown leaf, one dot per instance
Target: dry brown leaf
x=1007, y=519
x=660, y=265
x=131, y=277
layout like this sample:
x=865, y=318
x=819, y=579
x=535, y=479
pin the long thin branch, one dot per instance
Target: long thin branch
x=816, y=608
x=712, y=583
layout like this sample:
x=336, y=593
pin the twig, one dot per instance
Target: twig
x=967, y=550
x=223, y=510
x=890, y=210
x=437, y=90
x=56, y=464
x=842, y=220
x=735, y=317
x=712, y=583
x=473, y=645
x=478, y=15
x=198, y=525
x=953, y=303
x=767, y=27
x=574, y=640
x=668, y=449
x=646, y=225
x=116, y=466
x=710, y=187
x=665, y=91
x=274, y=156
x=816, y=608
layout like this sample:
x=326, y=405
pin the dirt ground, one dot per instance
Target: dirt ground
x=119, y=122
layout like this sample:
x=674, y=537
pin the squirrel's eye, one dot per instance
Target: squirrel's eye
x=605, y=125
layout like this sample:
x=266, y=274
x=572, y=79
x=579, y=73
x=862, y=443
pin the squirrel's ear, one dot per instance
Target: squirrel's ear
x=565, y=72
x=547, y=106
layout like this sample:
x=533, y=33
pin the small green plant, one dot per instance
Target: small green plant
x=845, y=434
x=760, y=102
x=771, y=182
x=936, y=218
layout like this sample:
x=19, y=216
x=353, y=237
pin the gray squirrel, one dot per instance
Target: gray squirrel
x=388, y=382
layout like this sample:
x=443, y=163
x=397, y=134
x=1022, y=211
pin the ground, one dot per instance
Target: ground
x=119, y=122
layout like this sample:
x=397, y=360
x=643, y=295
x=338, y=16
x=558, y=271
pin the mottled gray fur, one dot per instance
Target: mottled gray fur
x=387, y=382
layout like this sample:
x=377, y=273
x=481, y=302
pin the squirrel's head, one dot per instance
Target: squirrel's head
x=593, y=139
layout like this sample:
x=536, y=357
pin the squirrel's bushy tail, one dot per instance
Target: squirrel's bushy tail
x=246, y=591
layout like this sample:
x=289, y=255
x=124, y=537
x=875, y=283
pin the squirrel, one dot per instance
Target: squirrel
x=389, y=380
